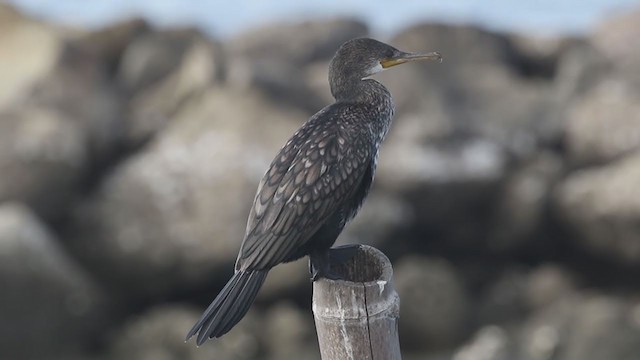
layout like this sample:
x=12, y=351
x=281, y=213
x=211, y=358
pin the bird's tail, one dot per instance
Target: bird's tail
x=230, y=306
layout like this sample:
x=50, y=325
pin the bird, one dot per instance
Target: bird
x=316, y=183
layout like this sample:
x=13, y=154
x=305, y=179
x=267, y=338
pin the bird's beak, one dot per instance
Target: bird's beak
x=404, y=57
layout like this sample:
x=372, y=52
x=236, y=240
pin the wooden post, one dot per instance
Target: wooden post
x=357, y=319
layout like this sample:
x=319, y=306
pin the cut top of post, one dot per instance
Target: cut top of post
x=369, y=273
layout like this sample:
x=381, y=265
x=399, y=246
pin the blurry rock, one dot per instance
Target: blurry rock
x=109, y=43
x=28, y=51
x=451, y=185
x=478, y=87
x=177, y=211
x=523, y=203
x=545, y=333
x=504, y=299
x=582, y=327
x=581, y=67
x=281, y=81
x=453, y=41
x=602, y=207
x=313, y=40
x=290, y=280
x=274, y=61
x=167, y=69
x=613, y=38
x=605, y=123
x=50, y=308
x=537, y=56
x=604, y=328
x=80, y=87
x=517, y=292
x=434, y=303
x=150, y=57
x=546, y=285
x=43, y=158
x=381, y=216
x=490, y=343
x=159, y=333
x=289, y=333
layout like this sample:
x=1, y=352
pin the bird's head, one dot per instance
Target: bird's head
x=360, y=58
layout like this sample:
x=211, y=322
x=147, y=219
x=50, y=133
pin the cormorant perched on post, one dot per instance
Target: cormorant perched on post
x=316, y=183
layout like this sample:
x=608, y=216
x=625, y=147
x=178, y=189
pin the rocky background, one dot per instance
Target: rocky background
x=508, y=194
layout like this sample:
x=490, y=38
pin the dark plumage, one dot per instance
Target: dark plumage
x=316, y=183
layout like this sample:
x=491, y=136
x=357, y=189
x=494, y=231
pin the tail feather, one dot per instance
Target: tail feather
x=230, y=306
x=252, y=288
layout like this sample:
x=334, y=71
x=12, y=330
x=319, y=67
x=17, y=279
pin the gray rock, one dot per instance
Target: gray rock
x=55, y=141
x=289, y=333
x=43, y=157
x=518, y=292
x=434, y=303
x=503, y=299
x=613, y=36
x=581, y=67
x=109, y=43
x=521, y=211
x=273, y=61
x=50, y=308
x=585, y=327
x=450, y=185
x=546, y=285
x=603, y=124
x=382, y=215
x=602, y=207
x=29, y=50
x=150, y=57
x=176, y=212
x=171, y=83
x=604, y=327
x=81, y=74
x=489, y=343
x=314, y=40
x=290, y=280
x=477, y=89
x=158, y=334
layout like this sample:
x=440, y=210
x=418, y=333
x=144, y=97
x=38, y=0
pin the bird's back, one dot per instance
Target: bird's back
x=314, y=175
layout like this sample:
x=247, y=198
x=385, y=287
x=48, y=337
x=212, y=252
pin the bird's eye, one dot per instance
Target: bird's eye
x=388, y=54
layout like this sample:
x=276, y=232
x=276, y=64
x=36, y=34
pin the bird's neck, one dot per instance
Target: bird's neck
x=361, y=91
x=376, y=101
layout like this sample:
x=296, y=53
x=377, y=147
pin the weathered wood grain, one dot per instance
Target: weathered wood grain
x=357, y=319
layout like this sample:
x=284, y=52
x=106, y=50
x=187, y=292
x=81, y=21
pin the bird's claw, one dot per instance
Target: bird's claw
x=320, y=263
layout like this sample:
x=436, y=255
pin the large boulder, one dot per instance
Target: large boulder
x=613, y=38
x=28, y=51
x=602, y=208
x=109, y=43
x=451, y=186
x=480, y=87
x=161, y=71
x=521, y=216
x=604, y=124
x=434, y=303
x=314, y=40
x=159, y=333
x=270, y=59
x=50, y=307
x=289, y=333
x=176, y=212
x=53, y=144
x=582, y=326
x=43, y=157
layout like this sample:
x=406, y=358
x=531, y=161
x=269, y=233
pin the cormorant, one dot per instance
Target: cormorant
x=316, y=183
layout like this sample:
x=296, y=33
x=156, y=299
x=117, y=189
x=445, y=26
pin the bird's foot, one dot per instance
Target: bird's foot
x=320, y=262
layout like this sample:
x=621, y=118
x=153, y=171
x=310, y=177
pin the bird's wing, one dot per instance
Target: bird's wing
x=314, y=173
